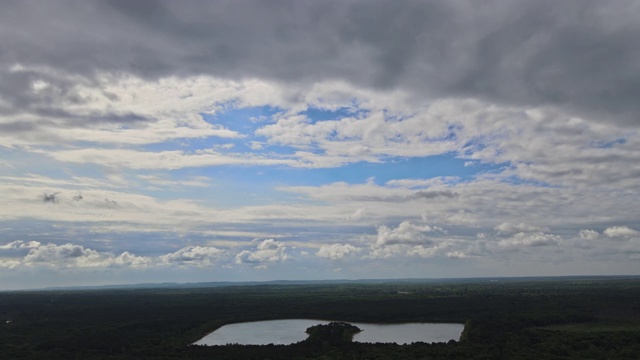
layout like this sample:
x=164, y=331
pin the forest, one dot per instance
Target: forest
x=532, y=318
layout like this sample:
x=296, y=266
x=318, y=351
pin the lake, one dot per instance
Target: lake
x=290, y=331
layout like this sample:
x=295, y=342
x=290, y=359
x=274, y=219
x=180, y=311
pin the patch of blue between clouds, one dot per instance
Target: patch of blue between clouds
x=316, y=114
x=243, y=120
x=412, y=168
x=233, y=185
x=610, y=144
x=391, y=169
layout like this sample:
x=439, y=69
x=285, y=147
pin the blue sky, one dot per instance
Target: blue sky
x=271, y=147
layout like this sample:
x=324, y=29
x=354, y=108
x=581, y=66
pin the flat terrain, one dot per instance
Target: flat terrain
x=561, y=318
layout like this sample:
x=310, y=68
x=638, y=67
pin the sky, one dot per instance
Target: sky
x=189, y=141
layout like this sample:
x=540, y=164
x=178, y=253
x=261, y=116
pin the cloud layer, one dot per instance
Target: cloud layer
x=248, y=140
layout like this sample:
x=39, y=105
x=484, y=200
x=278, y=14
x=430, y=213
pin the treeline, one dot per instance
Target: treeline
x=504, y=320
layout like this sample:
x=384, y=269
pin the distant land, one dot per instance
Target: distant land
x=212, y=284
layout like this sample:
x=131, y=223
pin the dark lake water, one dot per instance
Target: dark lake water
x=290, y=331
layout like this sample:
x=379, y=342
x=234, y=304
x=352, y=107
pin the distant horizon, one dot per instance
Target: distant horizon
x=211, y=284
x=151, y=141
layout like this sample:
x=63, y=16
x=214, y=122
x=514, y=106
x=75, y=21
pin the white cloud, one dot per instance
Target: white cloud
x=509, y=228
x=131, y=260
x=589, y=234
x=158, y=110
x=267, y=251
x=9, y=263
x=358, y=214
x=422, y=251
x=169, y=160
x=196, y=181
x=407, y=239
x=460, y=217
x=423, y=183
x=72, y=256
x=620, y=231
x=457, y=255
x=523, y=240
x=19, y=244
x=77, y=256
x=337, y=251
x=405, y=233
x=200, y=256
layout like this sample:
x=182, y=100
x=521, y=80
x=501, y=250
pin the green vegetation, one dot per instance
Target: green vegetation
x=577, y=318
x=333, y=333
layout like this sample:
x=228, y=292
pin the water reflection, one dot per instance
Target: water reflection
x=290, y=331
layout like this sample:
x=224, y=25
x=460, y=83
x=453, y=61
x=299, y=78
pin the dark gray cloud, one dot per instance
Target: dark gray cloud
x=581, y=55
x=418, y=195
x=50, y=197
x=434, y=194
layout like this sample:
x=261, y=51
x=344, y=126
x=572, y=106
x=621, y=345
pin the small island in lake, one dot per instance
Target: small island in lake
x=334, y=333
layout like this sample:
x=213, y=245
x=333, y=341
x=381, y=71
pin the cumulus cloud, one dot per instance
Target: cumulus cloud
x=589, y=234
x=200, y=256
x=523, y=240
x=422, y=251
x=509, y=228
x=73, y=256
x=267, y=251
x=405, y=233
x=620, y=231
x=407, y=239
x=337, y=251
x=19, y=244
x=457, y=255
x=77, y=256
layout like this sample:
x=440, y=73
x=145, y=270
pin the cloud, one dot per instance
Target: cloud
x=197, y=181
x=337, y=251
x=620, y=231
x=267, y=251
x=370, y=192
x=405, y=233
x=523, y=240
x=509, y=228
x=457, y=255
x=77, y=256
x=19, y=244
x=9, y=263
x=359, y=214
x=73, y=256
x=422, y=183
x=418, y=195
x=434, y=194
x=122, y=122
x=49, y=198
x=526, y=53
x=422, y=251
x=407, y=239
x=589, y=234
x=199, y=256
x=169, y=160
